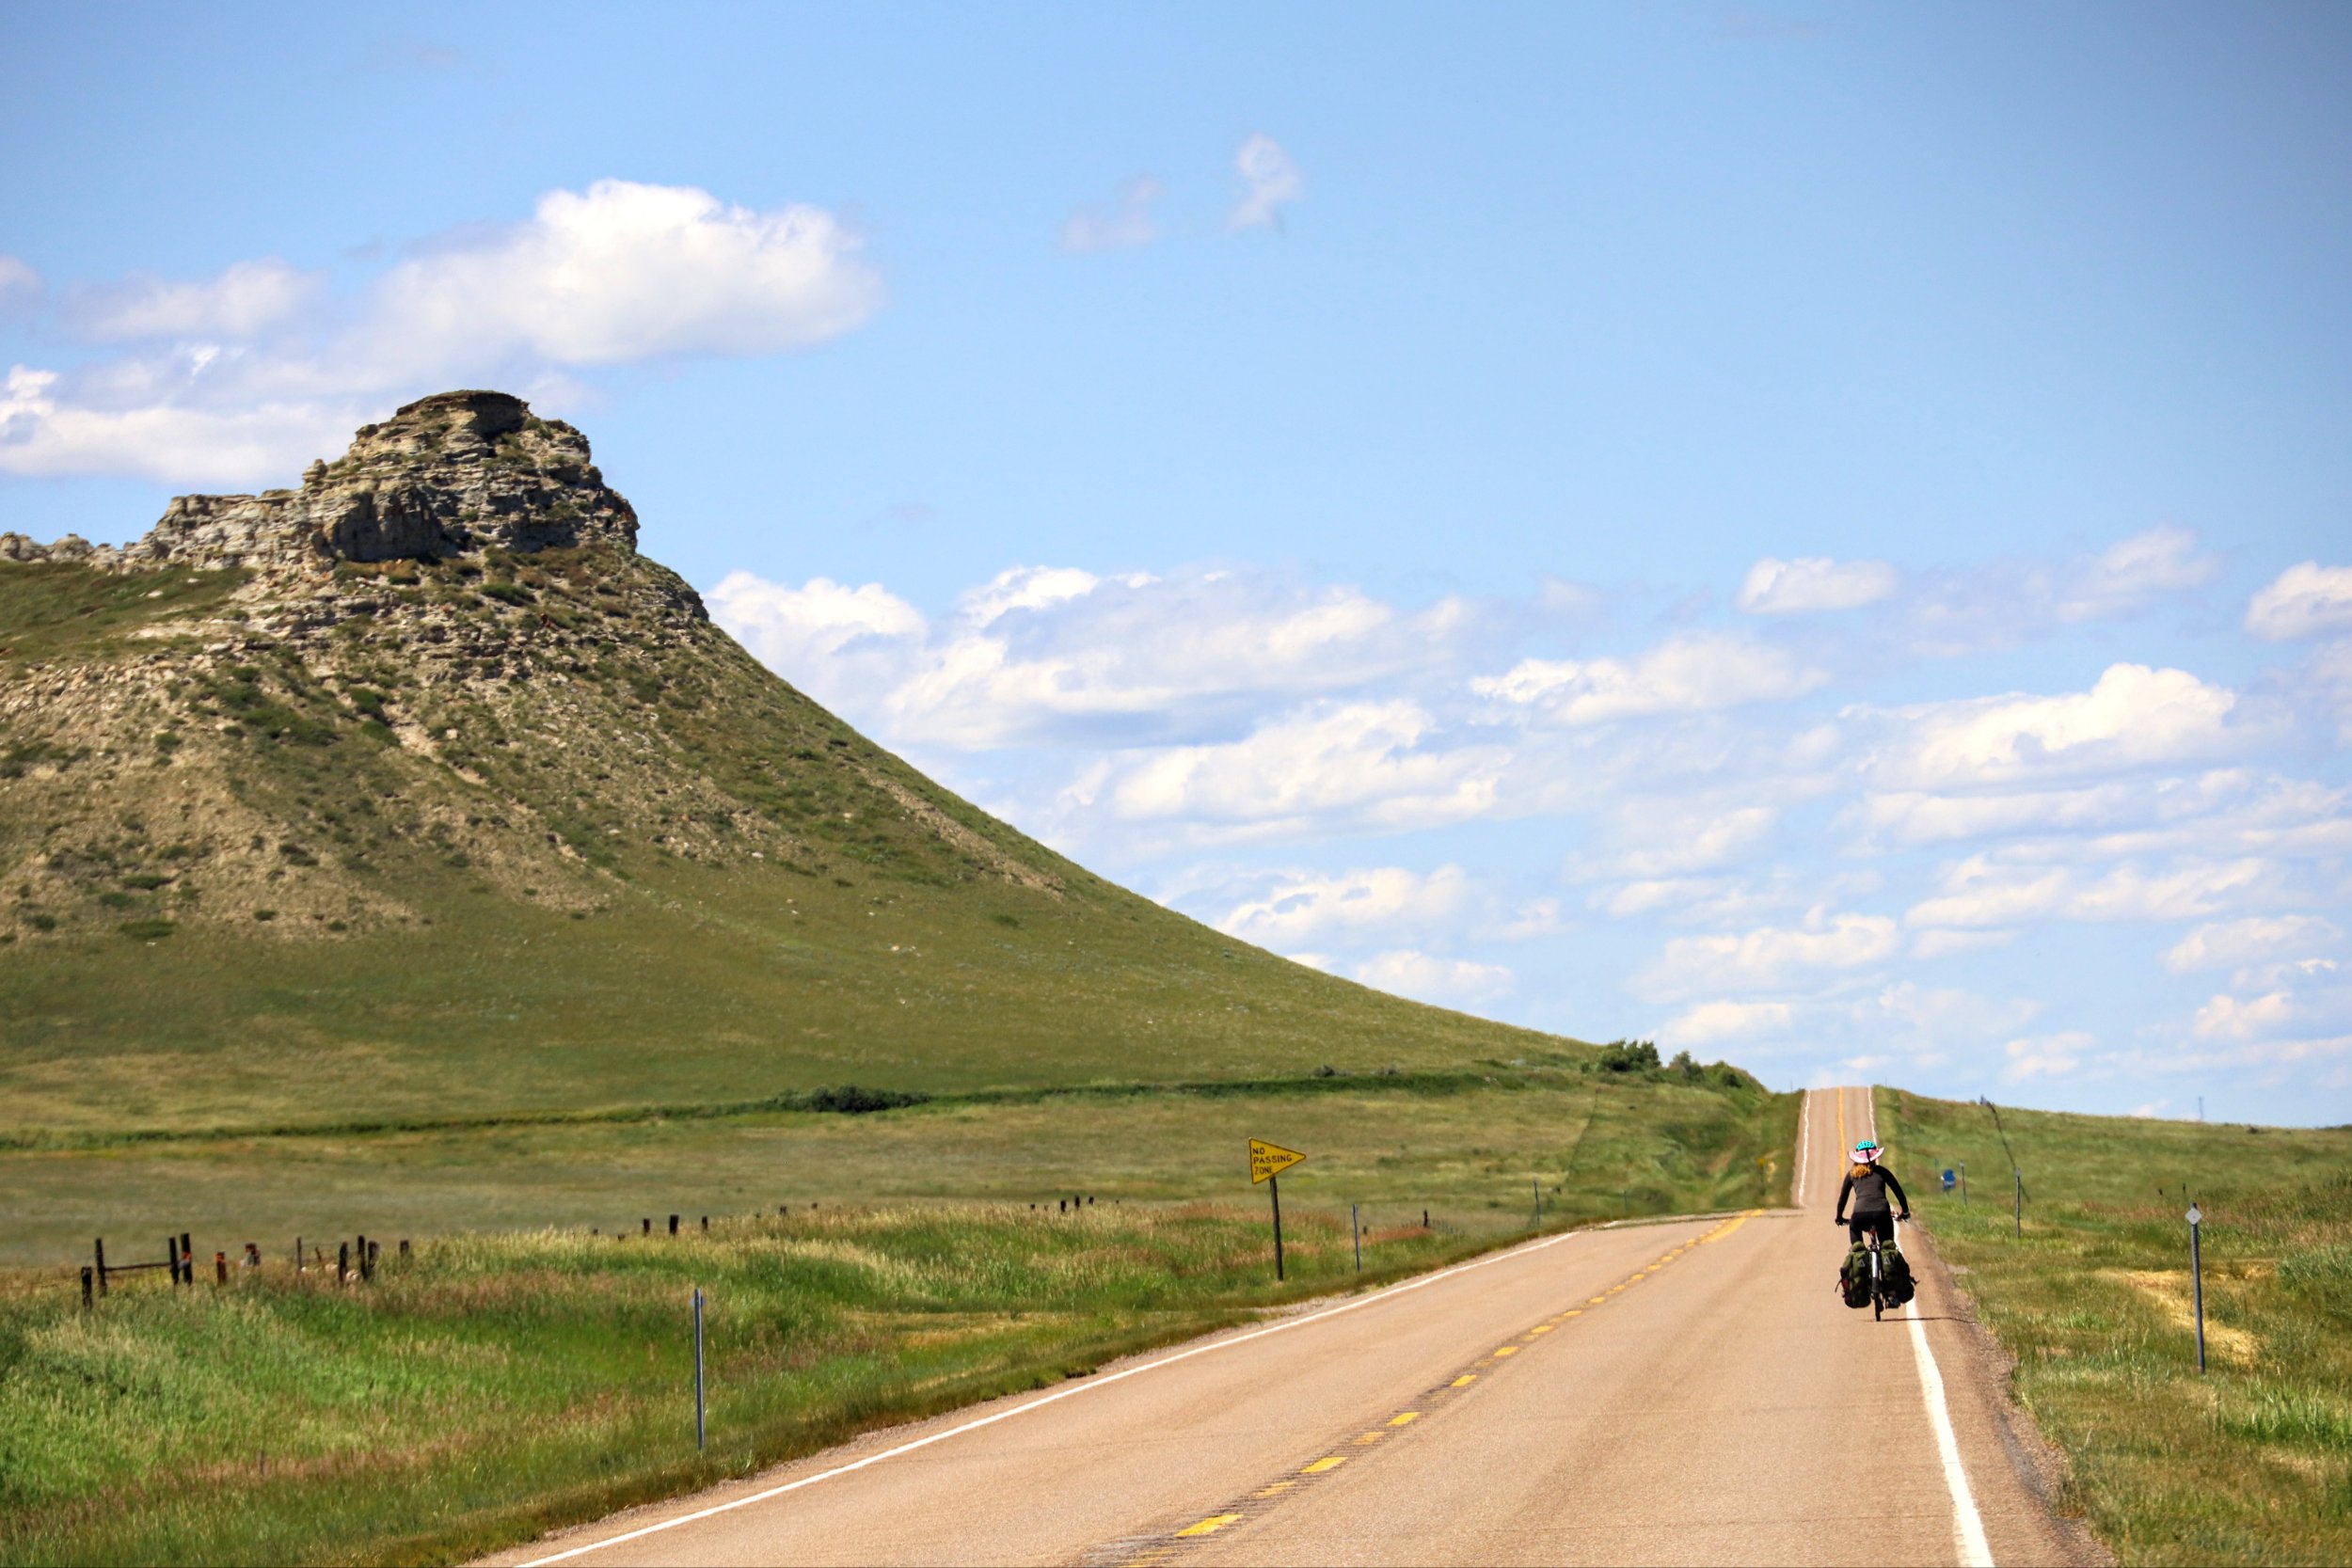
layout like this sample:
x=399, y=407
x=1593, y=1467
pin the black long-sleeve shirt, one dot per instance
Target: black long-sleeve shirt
x=1868, y=1186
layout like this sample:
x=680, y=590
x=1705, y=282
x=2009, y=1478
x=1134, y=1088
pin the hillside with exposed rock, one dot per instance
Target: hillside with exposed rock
x=419, y=783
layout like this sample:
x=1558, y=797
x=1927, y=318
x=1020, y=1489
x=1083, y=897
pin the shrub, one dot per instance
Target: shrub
x=1629, y=1057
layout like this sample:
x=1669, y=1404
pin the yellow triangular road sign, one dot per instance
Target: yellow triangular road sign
x=1268, y=1160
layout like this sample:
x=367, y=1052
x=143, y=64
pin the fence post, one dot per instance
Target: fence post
x=672, y=1225
x=171, y=1258
x=2021, y=1201
x=1537, y=1184
x=342, y=1262
x=220, y=1268
x=188, y=1261
x=1356, y=1225
x=297, y=1255
x=365, y=1272
x=100, y=1246
x=85, y=1288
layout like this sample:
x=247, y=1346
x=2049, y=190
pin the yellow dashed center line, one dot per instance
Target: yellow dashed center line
x=1210, y=1526
x=1329, y=1463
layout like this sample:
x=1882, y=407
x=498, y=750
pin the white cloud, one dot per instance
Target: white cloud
x=1447, y=982
x=1121, y=224
x=1711, y=1021
x=625, y=272
x=2226, y=1018
x=1361, y=763
x=248, y=300
x=2135, y=716
x=2258, y=939
x=2132, y=572
x=1981, y=890
x=1658, y=839
x=42, y=434
x=1812, y=583
x=1271, y=182
x=2300, y=602
x=257, y=377
x=1690, y=674
x=2056, y=1055
x=826, y=638
x=1039, y=655
x=1999, y=603
x=1767, y=958
x=1304, y=907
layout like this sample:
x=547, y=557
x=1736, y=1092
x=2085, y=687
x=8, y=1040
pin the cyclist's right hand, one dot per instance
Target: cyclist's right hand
x=1839, y=1221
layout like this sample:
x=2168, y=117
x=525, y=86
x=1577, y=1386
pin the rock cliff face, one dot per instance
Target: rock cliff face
x=450, y=475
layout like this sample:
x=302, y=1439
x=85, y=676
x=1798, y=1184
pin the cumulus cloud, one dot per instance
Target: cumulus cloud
x=2055, y=1055
x=1981, y=890
x=248, y=300
x=828, y=639
x=1304, y=907
x=1123, y=222
x=620, y=271
x=1943, y=945
x=2302, y=601
x=1270, y=181
x=2228, y=944
x=1811, y=583
x=2135, y=716
x=2133, y=572
x=2226, y=1018
x=1999, y=604
x=1711, y=1022
x=1689, y=673
x=1333, y=764
x=626, y=272
x=1768, y=958
x=1041, y=653
x=1652, y=841
x=1447, y=982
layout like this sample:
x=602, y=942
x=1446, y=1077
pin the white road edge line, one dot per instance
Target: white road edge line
x=1967, y=1523
x=1070, y=1392
x=1804, y=1141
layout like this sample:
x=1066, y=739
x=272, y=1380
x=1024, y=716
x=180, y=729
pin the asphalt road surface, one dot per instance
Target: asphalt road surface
x=1685, y=1392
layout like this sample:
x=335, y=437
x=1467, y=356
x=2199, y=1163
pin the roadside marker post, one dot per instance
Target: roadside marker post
x=698, y=1367
x=1964, y=1183
x=1266, y=1162
x=1356, y=1228
x=2196, y=1278
x=2021, y=1201
x=1537, y=1184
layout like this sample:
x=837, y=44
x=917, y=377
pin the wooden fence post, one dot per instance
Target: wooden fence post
x=85, y=1288
x=342, y=1262
x=188, y=1261
x=220, y=1268
x=99, y=1244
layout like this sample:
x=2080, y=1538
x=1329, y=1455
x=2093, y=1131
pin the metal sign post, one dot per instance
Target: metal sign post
x=2197, y=1277
x=1266, y=1162
x=698, y=1367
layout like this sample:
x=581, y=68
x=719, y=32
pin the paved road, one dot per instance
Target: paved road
x=1682, y=1392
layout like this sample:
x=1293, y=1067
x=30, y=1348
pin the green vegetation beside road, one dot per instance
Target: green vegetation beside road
x=2248, y=1464
x=499, y=1383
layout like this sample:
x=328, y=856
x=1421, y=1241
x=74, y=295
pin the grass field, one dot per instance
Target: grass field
x=497, y=1383
x=2250, y=1463
x=1467, y=1147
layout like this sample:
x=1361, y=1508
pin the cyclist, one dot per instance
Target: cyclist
x=1866, y=1185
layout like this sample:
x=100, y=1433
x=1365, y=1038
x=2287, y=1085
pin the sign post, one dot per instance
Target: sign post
x=1266, y=1162
x=2197, y=1274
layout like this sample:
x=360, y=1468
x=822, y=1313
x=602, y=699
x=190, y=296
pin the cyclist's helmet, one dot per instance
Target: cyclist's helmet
x=1866, y=1152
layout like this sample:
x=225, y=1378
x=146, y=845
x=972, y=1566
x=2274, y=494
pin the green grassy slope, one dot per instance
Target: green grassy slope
x=574, y=849
x=2250, y=1463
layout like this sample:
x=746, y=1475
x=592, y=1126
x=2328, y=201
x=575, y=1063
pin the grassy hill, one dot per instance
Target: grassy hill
x=294, y=837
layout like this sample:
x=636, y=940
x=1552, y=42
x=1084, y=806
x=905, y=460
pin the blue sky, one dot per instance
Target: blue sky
x=1821, y=534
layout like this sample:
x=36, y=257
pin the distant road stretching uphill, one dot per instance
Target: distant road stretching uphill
x=1682, y=1392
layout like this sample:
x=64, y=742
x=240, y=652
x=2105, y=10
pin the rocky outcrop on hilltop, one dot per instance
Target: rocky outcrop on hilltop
x=456, y=474
x=308, y=712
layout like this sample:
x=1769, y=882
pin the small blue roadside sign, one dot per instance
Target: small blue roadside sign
x=1949, y=1179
